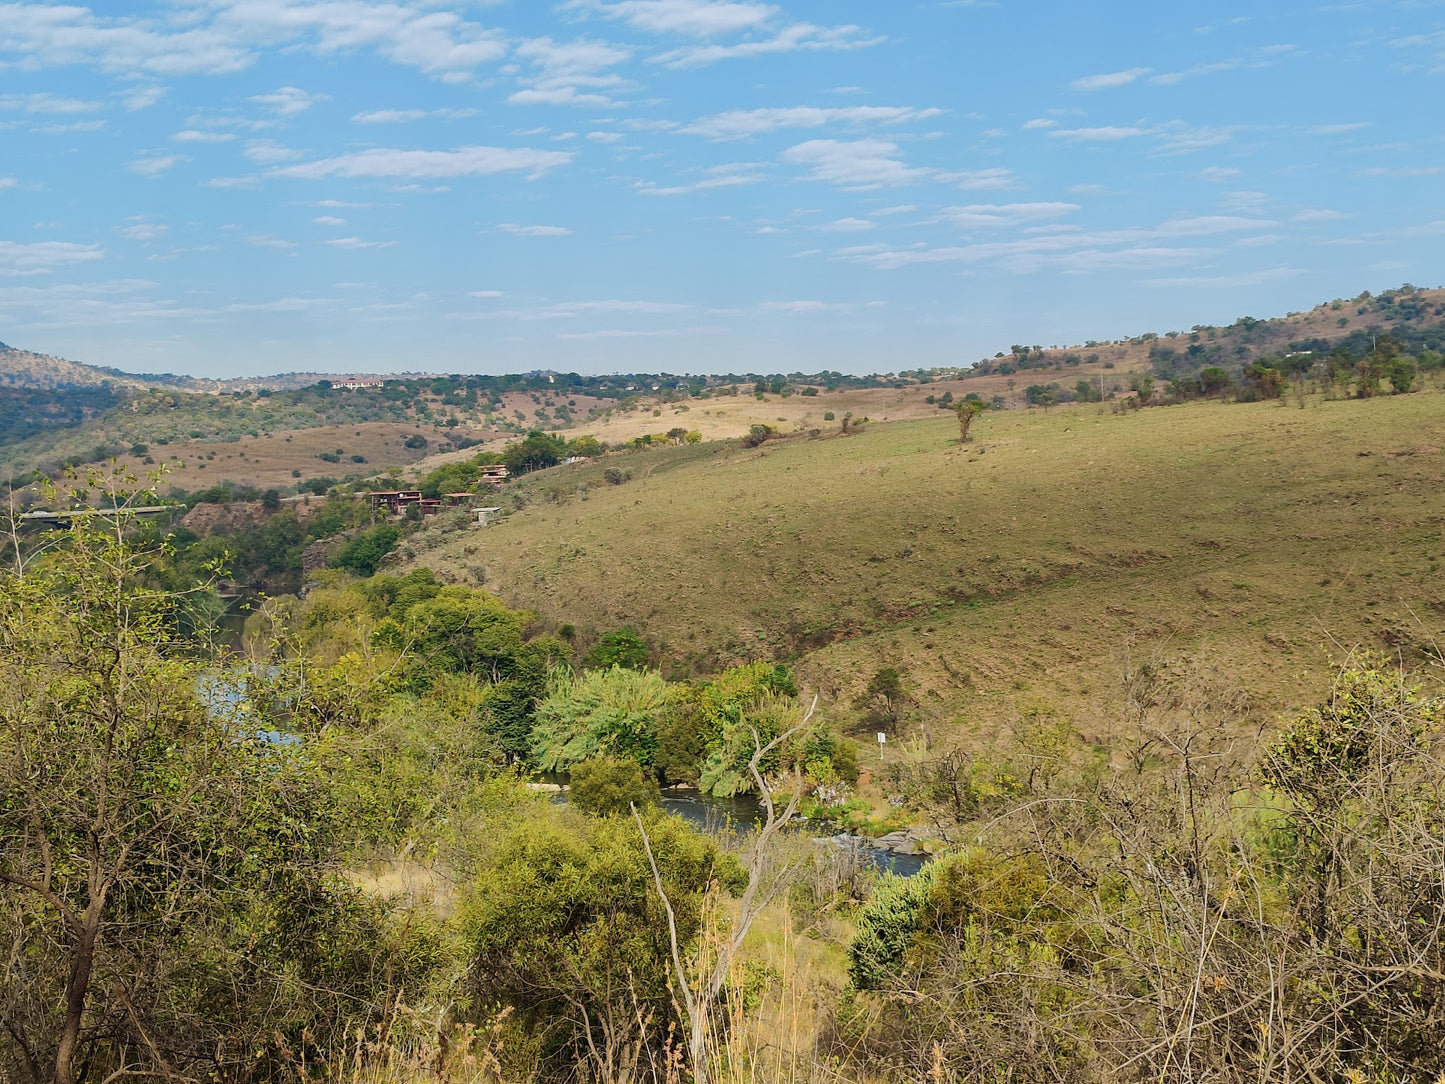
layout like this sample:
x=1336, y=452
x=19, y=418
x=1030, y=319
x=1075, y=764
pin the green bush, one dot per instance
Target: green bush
x=609, y=785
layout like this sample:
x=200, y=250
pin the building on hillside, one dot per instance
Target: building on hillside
x=494, y=473
x=395, y=501
x=486, y=516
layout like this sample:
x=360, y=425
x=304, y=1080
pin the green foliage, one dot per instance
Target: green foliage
x=565, y=929
x=168, y=861
x=363, y=554
x=1320, y=757
x=609, y=785
x=536, y=452
x=622, y=647
x=886, y=928
x=616, y=712
x=1403, y=371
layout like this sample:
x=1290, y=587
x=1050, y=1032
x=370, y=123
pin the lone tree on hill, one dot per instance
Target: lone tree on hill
x=966, y=411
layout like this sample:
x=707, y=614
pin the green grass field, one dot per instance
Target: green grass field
x=1015, y=574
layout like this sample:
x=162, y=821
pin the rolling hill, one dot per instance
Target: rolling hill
x=1013, y=576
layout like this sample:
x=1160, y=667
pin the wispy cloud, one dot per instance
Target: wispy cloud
x=743, y=123
x=517, y=230
x=430, y=165
x=732, y=175
x=859, y=164
x=1109, y=80
x=266, y=240
x=693, y=18
x=406, y=116
x=143, y=232
x=356, y=243
x=288, y=101
x=1106, y=134
x=44, y=257
x=998, y=215
x=800, y=37
x=47, y=104
x=196, y=135
x=570, y=73
x=227, y=36
x=1227, y=282
x=154, y=165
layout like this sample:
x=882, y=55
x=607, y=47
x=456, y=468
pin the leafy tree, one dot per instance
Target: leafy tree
x=1214, y=381
x=362, y=555
x=168, y=906
x=585, y=445
x=565, y=928
x=966, y=411
x=885, y=696
x=622, y=647
x=615, y=712
x=610, y=785
x=1402, y=371
x=537, y=451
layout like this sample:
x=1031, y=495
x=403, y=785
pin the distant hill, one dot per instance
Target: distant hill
x=24, y=369
x=1414, y=317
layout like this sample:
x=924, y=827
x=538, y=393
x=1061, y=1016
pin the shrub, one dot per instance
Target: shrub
x=605, y=786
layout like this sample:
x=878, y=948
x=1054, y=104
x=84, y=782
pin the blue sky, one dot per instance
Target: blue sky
x=235, y=187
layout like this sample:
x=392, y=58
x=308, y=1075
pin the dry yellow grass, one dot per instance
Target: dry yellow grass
x=1011, y=575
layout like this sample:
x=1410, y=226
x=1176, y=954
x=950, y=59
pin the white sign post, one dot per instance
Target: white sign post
x=882, y=741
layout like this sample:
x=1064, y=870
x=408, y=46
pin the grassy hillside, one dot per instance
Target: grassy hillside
x=1013, y=575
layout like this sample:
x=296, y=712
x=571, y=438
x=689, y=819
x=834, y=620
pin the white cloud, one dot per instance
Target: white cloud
x=461, y=162
x=485, y=294
x=1218, y=174
x=1321, y=214
x=155, y=165
x=803, y=308
x=605, y=137
x=226, y=36
x=1039, y=123
x=1109, y=79
x=743, y=123
x=1181, y=137
x=1339, y=129
x=1106, y=134
x=268, y=152
x=860, y=164
x=7, y=182
x=533, y=231
x=732, y=175
x=196, y=135
x=569, y=73
x=46, y=35
x=44, y=257
x=143, y=232
x=694, y=18
x=1004, y=214
x=288, y=101
x=405, y=116
x=47, y=104
x=800, y=37
x=329, y=220
x=980, y=179
x=1068, y=250
x=133, y=101
x=74, y=126
x=1243, y=279
x=266, y=240
x=848, y=225
x=355, y=243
